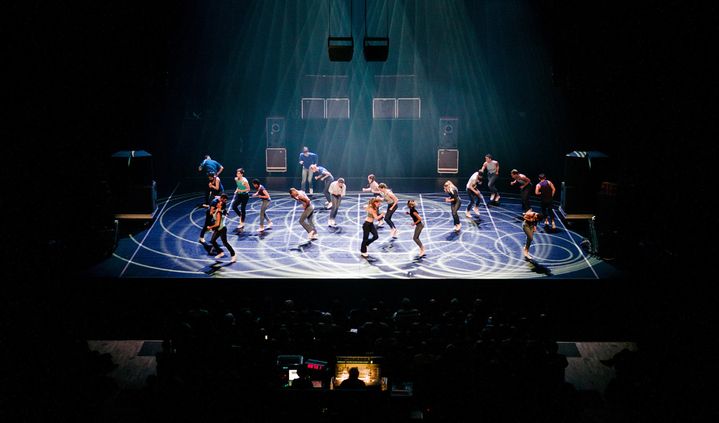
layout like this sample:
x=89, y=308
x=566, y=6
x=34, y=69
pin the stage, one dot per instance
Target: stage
x=489, y=246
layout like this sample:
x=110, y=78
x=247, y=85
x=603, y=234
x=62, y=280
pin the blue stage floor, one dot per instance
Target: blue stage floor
x=488, y=247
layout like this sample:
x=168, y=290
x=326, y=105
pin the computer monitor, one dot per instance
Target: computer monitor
x=368, y=366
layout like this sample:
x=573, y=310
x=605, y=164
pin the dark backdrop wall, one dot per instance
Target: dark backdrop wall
x=484, y=63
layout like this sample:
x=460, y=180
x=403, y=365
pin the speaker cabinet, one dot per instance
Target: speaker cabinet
x=448, y=129
x=275, y=130
x=276, y=160
x=447, y=160
x=576, y=200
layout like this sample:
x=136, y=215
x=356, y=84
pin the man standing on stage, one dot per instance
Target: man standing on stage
x=307, y=159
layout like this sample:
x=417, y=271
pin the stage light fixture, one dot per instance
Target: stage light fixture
x=340, y=49
x=376, y=49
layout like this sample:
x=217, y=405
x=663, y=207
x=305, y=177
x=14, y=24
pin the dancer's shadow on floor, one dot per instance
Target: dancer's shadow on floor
x=214, y=267
x=248, y=235
x=334, y=229
x=370, y=260
x=243, y=234
x=452, y=236
x=209, y=249
x=301, y=247
x=475, y=221
x=389, y=246
x=536, y=267
x=416, y=263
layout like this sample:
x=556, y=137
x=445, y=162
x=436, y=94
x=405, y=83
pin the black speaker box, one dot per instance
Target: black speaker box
x=131, y=168
x=448, y=129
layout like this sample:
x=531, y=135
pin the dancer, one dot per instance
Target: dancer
x=306, y=160
x=337, y=189
x=209, y=216
x=392, y=202
x=453, y=198
x=242, y=196
x=473, y=192
x=306, y=217
x=368, y=225
x=263, y=194
x=492, y=167
x=418, y=224
x=324, y=175
x=545, y=190
x=524, y=184
x=210, y=166
x=220, y=230
x=372, y=185
x=529, y=226
x=214, y=185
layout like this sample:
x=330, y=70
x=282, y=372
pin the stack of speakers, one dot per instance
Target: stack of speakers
x=275, y=153
x=448, y=154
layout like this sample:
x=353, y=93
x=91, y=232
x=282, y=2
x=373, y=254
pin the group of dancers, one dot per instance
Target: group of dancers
x=334, y=190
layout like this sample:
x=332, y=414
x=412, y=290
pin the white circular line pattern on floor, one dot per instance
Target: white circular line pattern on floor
x=475, y=252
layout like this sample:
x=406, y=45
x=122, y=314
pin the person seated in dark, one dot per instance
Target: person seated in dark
x=353, y=382
x=303, y=381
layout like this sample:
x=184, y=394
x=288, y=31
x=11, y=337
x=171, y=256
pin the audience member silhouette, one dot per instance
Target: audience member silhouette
x=353, y=381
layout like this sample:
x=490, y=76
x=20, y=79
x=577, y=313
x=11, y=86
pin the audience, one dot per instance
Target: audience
x=460, y=357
